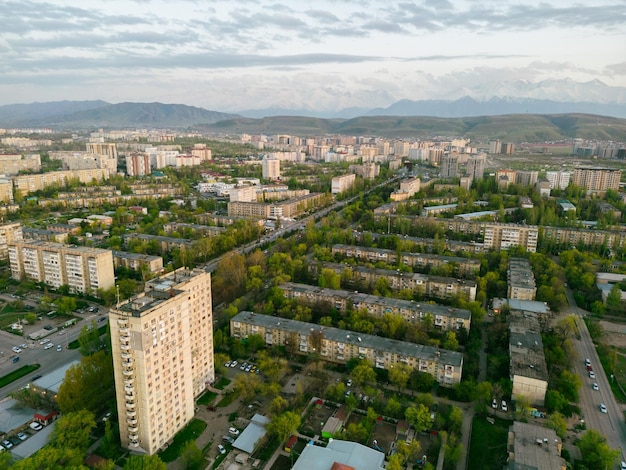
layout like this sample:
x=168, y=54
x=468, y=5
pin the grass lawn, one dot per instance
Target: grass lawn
x=189, y=433
x=222, y=383
x=268, y=450
x=75, y=344
x=488, y=444
x=206, y=398
x=18, y=374
x=227, y=399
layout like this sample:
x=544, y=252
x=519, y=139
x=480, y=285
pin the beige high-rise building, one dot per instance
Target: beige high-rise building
x=100, y=148
x=202, y=152
x=162, y=347
x=271, y=168
x=476, y=166
x=342, y=183
x=6, y=191
x=83, y=269
x=138, y=164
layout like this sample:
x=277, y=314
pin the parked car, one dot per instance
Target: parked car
x=504, y=407
x=16, y=350
x=35, y=426
x=59, y=347
x=349, y=383
x=233, y=364
x=592, y=375
x=227, y=364
x=228, y=439
x=221, y=449
x=595, y=386
x=494, y=404
x=48, y=346
x=233, y=431
x=602, y=408
x=21, y=436
x=7, y=444
x=587, y=362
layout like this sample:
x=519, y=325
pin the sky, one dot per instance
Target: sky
x=323, y=55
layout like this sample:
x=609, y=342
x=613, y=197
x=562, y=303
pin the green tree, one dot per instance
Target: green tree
x=557, y=422
x=65, y=305
x=357, y=432
x=419, y=417
x=72, y=431
x=278, y=405
x=395, y=462
x=191, y=456
x=450, y=341
x=455, y=420
x=284, y=425
x=399, y=375
x=246, y=386
x=614, y=299
x=87, y=385
x=52, y=458
x=89, y=339
x=595, y=451
x=363, y=373
x=142, y=462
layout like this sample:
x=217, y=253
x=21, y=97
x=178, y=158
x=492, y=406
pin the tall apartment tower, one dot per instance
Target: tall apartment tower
x=9, y=233
x=449, y=166
x=162, y=347
x=476, y=166
x=495, y=146
x=138, y=164
x=271, y=168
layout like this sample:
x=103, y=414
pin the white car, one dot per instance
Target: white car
x=16, y=349
x=48, y=346
x=24, y=346
x=504, y=407
x=21, y=436
x=592, y=375
x=349, y=383
x=233, y=364
x=35, y=426
x=227, y=364
x=221, y=448
x=587, y=362
x=595, y=386
x=603, y=408
x=59, y=347
x=622, y=466
x=494, y=404
x=233, y=431
x=44, y=341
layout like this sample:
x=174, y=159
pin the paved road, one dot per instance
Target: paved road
x=611, y=424
x=49, y=359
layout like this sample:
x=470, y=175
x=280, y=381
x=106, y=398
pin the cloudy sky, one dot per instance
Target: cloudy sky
x=310, y=54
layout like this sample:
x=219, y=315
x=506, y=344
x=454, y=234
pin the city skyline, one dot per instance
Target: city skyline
x=239, y=55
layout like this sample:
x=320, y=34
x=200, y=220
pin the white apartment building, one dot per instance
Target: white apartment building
x=342, y=183
x=26, y=184
x=271, y=168
x=162, y=348
x=244, y=194
x=558, y=179
x=83, y=269
x=13, y=164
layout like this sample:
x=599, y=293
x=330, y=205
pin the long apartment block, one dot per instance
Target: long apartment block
x=83, y=269
x=438, y=287
x=462, y=266
x=497, y=236
x=339, y=346
x=426, y=244
x=162, y=348
x=443, y=318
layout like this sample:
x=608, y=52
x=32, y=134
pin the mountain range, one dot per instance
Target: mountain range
x=499, y=118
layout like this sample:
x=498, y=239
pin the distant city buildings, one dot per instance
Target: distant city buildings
x=558, y=179
x=476, y=166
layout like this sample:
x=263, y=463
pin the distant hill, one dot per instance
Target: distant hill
x=151, y=115
x=510, y=128
x=468, y=106
x=19, y=115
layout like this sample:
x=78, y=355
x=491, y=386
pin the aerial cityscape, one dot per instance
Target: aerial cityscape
x=329, y=236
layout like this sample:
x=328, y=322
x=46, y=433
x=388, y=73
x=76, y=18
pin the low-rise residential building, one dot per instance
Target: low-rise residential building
x=290, y=208
x=442, y=317
x=461, y=266
x=340, y=455
x=521, y=280
x=14, y=163
x=571, y=237
x=193, y=230
x=137, y=261
x=533, y=447
x=339, y=346
x=528, y=369
x=431, y=211
x=438, y=287
x=83, y=269
x=44, y=235
x=9, y=233
x=164, y=243
x=340, y=184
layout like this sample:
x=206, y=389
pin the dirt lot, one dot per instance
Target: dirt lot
x=385, y=434
x=615, y=333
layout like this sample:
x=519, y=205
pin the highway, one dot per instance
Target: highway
x=610, y=424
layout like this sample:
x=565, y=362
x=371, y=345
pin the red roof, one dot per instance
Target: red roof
x=341, y=466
